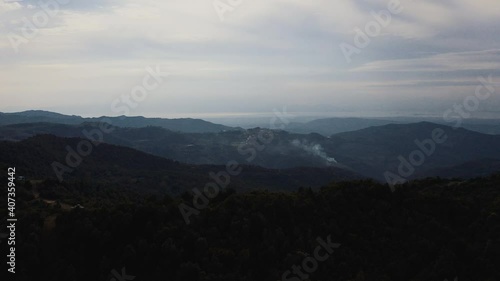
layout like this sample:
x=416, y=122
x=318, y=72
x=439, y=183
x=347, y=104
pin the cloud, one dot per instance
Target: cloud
x=264, y=54
x=80, y=5
x=487, y=60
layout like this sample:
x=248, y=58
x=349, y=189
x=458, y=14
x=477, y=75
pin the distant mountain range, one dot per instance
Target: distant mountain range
x=187, y=125
x=323, y=126
x=375, y=150
x=117, y=166
x=369, y=152
x=331, y=126
x=121, y=207
x=285, y=151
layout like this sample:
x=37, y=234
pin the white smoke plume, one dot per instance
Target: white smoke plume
x=313, y=149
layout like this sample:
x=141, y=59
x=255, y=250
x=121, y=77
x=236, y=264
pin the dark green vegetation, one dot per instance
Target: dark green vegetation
x=427, y=230
x=471, y=169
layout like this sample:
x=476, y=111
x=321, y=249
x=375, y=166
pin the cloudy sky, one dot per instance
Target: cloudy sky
x=242, y=56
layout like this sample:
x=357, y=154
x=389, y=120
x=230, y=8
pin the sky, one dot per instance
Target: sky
x=216, y=57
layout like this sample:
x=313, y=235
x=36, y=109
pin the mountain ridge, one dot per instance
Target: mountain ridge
x=123, y=166
x=370, y=151
x=189, y=125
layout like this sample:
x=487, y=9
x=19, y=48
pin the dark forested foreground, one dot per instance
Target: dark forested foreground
x=426, y=230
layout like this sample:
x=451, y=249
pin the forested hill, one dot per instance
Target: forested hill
x=426, y=230
x=111, y=165
x=370, y=152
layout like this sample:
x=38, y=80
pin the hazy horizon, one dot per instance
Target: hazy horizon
x=255, y=119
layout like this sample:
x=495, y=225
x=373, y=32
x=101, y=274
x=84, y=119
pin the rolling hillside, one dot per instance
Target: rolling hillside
x=125, y=167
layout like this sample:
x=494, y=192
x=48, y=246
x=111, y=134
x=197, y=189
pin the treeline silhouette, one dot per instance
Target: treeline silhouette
x=431, y=229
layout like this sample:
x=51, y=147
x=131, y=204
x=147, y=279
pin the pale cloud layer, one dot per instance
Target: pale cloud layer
x=264, y=55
